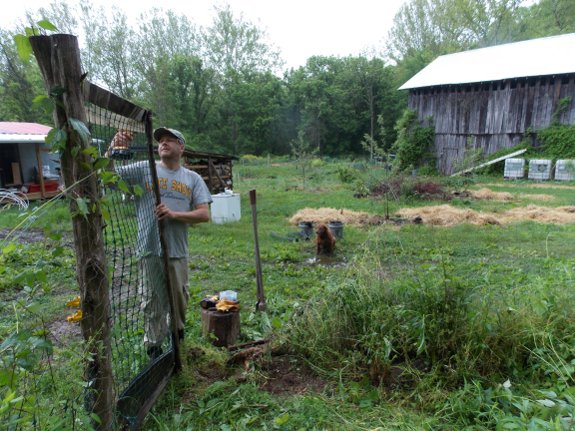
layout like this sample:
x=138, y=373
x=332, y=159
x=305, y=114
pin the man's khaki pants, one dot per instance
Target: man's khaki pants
x=155, y=304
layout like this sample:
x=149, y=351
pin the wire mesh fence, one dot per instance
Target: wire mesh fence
x=142, y=351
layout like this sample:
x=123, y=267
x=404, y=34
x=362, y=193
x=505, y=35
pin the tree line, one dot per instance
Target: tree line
x=223, y=84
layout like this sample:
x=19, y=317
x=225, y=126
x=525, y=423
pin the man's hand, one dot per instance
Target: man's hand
x=200, y=214
x=121, y=141
x=162, y=212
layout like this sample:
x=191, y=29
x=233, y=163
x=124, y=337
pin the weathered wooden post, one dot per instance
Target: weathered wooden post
x=59, y=59
x=261, y=298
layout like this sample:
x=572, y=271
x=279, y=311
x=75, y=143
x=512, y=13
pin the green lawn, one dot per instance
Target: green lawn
x=409, y=326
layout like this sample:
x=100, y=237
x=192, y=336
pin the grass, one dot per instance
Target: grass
x=410, y=326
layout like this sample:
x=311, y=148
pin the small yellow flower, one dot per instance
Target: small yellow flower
x=76, y=317
x=74, y=302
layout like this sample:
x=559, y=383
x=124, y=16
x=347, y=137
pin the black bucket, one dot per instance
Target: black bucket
x=306, y=229
x=336, y=227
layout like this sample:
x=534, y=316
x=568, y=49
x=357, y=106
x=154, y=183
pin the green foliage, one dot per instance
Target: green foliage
x=562, y=108
x=346, y=174
x=558, y=141
x=372, y=146
x=33, y=380
x=414, y=142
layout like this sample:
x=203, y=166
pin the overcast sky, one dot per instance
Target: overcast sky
x=298, y=28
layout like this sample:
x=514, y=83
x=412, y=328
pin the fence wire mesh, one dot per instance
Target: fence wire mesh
x=142, y=350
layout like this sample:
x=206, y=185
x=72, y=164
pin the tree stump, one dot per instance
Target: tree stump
x=225, y=326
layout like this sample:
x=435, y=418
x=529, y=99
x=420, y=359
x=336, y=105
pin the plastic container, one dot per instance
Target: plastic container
x=306, y=229
x=514, y=168
x=336, y=227
x=565, y=170
x=539, y=169
x=229, y=295
x=225, y=207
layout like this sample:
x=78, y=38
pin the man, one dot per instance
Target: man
x=185, y=201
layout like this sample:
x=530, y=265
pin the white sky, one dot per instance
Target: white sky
x=298, y=28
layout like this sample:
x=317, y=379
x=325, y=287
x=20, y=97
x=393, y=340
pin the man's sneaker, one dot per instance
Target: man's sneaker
x=155, y=352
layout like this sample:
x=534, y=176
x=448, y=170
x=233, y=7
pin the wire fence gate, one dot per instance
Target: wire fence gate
x=135, y=263
x=127, y=320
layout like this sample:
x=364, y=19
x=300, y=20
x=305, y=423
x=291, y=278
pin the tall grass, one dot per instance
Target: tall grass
x=429, y=329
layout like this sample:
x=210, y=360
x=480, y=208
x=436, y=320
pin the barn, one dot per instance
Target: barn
x=488, y=98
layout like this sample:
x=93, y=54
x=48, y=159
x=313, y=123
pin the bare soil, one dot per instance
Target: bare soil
x=287, y=375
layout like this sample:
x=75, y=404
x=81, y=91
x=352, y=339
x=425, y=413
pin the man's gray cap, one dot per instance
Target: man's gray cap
x=161, y=131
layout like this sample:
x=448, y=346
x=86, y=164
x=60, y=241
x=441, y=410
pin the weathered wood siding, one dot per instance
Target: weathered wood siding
x=490, y=116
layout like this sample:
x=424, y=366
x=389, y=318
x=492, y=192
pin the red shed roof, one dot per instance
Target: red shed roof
x=14, y=128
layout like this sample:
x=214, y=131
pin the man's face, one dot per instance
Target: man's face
x=170, y=147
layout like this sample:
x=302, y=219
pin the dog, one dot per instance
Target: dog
x=325, y=240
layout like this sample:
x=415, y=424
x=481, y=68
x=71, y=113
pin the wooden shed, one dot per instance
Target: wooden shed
x=215, y=169
x=26, y=163
x=488, y=98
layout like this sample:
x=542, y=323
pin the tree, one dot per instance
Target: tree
x=173, y=80
x=233, y=44
x=425, y=29
x=338, y=99
x=110, y=51
x=374, y=147
x=545, y=18
x=303, y=151
x=236, y=50
x=20, y=83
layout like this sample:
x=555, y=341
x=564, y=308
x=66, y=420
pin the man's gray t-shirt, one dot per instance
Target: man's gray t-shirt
x=180, y=190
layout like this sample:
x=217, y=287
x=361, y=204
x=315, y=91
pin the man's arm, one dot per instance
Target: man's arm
x=200, y=214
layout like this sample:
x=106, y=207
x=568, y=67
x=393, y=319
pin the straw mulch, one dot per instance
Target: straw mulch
x=487, y=194
x=325, y=215
x=541, y=186
x=446, y=215
x=440, y=215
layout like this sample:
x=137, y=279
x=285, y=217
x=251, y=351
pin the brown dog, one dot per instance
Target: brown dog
x=325, y=241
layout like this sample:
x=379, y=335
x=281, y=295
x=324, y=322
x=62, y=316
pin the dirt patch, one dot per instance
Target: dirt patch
x=446, y=215
x=62, y=332
x=27, y=236
x=287, y=375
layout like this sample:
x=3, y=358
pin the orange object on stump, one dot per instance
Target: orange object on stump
x=225, y=326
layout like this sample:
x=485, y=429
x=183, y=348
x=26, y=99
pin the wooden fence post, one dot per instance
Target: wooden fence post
x=59, y=59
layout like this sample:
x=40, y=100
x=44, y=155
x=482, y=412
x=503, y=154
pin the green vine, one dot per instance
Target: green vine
x=414, y=144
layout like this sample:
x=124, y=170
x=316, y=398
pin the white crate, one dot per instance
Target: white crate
x=514, y=168
x=539, y=169
x=565, y=170
x=225, y=207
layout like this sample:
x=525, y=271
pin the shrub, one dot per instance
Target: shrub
x=346, y=174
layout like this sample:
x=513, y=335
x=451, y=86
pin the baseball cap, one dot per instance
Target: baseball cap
x=161, y=131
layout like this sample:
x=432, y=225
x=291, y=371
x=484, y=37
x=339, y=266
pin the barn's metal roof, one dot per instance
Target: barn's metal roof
x=536, y=57
x=15, y=132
